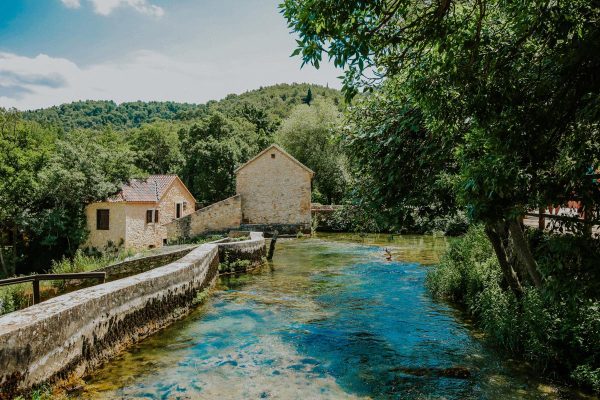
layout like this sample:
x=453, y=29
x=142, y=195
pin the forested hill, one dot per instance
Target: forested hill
x=277, y=101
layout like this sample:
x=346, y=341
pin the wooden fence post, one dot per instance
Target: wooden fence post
x=272, y=245
x=36, y=291
x=541, y=219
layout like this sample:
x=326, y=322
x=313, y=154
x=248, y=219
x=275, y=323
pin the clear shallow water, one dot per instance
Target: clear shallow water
x=329, y=319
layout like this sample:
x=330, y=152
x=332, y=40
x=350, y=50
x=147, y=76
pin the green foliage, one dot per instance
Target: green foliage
x=308, y=99
x=234, y=267
x=101, y=114
x=309, y=134
x=157, y=148
x=557, y=327
x=214, y=147
x=402, y=168
x=15, y=297
x=201, y=297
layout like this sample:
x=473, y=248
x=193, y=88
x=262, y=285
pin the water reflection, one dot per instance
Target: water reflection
x=329, y=319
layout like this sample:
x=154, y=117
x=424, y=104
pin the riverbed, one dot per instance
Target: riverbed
x=331, y=317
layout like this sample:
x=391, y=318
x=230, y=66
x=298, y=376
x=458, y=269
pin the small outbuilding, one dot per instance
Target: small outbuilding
x=134, y=218
x=275, y=190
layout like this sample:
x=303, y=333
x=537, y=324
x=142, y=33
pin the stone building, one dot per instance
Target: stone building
x=134, y=218
x=275, y=191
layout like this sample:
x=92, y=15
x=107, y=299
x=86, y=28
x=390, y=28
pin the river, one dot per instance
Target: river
x=329, y=318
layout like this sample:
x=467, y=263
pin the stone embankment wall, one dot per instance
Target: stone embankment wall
x=72, y=334
x=252, y=250
x=218, y=217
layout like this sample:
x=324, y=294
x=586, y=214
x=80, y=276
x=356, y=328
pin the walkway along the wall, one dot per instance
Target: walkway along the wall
x=72, y=334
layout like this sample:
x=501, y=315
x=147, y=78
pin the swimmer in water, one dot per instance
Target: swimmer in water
x=388, y=255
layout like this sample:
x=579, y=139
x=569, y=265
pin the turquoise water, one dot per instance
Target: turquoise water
x=330, y=318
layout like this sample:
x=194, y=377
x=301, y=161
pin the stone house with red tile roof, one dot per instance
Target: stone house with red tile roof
x=134, y=218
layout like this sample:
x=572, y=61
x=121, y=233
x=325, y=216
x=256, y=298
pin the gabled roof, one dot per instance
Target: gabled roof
x=151, y=189
x=282, y=151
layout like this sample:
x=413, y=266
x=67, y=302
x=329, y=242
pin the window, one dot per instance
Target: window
x=151, y=216
x=273, y=155
x=102, y=220
x=178, y=210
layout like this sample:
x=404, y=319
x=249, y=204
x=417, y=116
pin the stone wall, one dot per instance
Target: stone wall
x=218, y=217
x=72, y=334
x=252, y=250
x=142, y=264
x=275, y=189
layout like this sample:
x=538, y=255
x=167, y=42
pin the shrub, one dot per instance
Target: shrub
x=556, y=327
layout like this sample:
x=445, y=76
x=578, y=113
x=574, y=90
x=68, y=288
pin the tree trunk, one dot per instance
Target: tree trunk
x=13, y=268
x=494, y=234
x=524, y=252
x=2, y=263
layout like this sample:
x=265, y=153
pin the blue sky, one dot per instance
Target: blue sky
x=57, y=51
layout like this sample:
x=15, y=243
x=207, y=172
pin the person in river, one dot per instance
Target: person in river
x=388, y=254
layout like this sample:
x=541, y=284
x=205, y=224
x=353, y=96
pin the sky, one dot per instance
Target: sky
x=59, y=51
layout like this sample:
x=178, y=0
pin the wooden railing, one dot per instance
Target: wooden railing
x=35, y=280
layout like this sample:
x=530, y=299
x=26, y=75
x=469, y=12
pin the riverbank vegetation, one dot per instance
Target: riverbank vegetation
x=492, y=109
x=556, y=328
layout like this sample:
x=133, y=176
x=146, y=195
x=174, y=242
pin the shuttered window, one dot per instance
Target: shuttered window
x=102, y=220
x=151, y=216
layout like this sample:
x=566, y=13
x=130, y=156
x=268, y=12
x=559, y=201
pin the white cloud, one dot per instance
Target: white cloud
x=42, y=81
x=106, y=7
x=71, y=3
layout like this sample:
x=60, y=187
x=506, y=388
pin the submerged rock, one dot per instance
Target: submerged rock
x=457, y=372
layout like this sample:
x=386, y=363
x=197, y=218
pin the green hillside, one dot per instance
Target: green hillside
x=277, y=101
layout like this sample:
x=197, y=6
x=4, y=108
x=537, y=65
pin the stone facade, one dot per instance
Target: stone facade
x=275, y=190
x=127, y=219
x=218, y=217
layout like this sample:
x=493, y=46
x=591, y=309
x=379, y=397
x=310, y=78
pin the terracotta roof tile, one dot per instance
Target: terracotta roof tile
x=150, y=189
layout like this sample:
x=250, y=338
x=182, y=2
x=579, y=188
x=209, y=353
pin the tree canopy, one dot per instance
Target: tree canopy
x=512, y=88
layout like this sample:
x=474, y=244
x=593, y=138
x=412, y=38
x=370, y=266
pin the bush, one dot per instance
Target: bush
x=556, y=327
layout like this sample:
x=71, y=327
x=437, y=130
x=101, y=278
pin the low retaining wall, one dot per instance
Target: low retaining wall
x=218, y=217
x=252, y=250
x=142, y=264
x=72, y=334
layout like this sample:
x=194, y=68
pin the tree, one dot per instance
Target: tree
x=309, y=135
x=515, y=85
x=24, y=149
x=213, y=148
x=308, y=99
x=157, y=148
x=402, y=168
